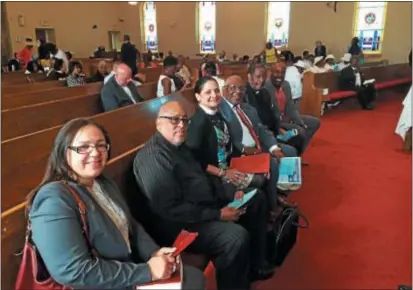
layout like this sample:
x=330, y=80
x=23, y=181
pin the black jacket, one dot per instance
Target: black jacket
x=348, y=79
x=128, y=55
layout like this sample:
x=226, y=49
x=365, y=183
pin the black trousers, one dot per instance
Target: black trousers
x=234, y=248
x=366, y=94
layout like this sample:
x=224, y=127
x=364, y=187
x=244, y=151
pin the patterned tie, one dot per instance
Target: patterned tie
x=248, y=124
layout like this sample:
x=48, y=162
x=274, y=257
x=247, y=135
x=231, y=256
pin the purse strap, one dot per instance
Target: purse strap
x=82, y=210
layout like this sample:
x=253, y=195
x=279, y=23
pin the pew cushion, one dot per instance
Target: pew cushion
x=195, y=260
x=340, y=95
x=392, y=83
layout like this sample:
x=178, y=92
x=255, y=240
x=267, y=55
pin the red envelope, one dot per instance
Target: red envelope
x=259, y=163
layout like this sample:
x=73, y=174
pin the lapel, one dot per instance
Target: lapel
x=123, y=96
x=235, y=128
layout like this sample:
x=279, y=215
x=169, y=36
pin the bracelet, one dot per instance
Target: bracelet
x=222, y=173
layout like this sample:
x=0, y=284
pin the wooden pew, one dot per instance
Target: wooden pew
x=28, y=119
x=314, y=84
x=16, y=89
x=18, y=78
x=23, y=174
x=26, y=99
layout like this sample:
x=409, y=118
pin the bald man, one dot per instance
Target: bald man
x=182, y=196
x=284, y=108
x=119, y=91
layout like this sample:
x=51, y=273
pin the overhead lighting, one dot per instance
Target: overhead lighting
x=133, y=3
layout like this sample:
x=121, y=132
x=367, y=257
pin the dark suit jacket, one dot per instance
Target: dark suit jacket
x=291, y=111
x=114, y=97
x=58, y=236
x=266, y=137
x=347, y=79
x=322, y=51
x=261, y=101
x=128, y=54
x=202, y=140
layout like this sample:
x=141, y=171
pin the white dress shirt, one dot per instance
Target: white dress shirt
x=358, y=78
x=293, y=77
x=342, y=65
x=129, y=93
x=247, y=139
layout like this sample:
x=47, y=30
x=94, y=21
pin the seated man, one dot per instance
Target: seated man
x=112, y=73
x=182, y=196
x=284, y=108
x=352, y=79
x=119, y=91
x=258, y=97
x=250, y=137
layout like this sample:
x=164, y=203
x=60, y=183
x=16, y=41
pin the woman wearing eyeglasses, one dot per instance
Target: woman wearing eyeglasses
x=116, y=253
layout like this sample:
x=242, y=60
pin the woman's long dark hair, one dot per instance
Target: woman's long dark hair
x=57, y=168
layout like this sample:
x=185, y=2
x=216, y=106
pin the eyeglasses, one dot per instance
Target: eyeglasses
x=87, y=148
x=234, y=88
x=175, y=120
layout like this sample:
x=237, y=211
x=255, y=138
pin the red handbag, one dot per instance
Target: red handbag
x=32, y=272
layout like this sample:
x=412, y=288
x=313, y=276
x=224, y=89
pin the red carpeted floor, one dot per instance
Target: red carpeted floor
x=357, y=196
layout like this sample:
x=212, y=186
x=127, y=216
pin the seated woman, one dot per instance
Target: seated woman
x=166, y=83
x=124, y=255
x=33, y=67
x=56, y=73
x=210, y=141
x=76, y=76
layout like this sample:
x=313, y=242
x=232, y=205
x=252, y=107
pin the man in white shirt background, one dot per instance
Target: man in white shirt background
x=345, y=61
x=294, y=76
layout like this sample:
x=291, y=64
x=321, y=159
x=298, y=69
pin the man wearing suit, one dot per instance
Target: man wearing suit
x=352, y=79
x=129, y=54
x=119, y=91
x=249, y=135
x=320, y=49
x=181, y=196
x=284, y=108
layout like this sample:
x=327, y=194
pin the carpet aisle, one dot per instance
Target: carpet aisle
x=357, y=196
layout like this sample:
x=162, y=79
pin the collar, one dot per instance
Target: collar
x=208, y=111
x=251, y=89
x=230, y=104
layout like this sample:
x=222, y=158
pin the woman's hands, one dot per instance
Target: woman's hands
x=162, y=264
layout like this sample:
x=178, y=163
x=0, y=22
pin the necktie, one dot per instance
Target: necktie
x=248, y=124
x=281, y=100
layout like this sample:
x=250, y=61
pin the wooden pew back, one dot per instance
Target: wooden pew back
x=17, y=89
x=53, y=94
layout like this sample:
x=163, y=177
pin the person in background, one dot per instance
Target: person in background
x=119, y=91
x=271, y=53
x=69, y=55
x=330, y=64
x=345, y=61
x=183, y=70
x=34, y=67
x=42, y=49
x=293, y=75
x=211, y=71
x=99, y=52
x=56, y=73
x=166, y=84
x=308, y=59
x=352, y=79
x=124, y=255
x=26, y=54
x=129, y=54
x=76, y=76
x=100, y=74
x=14, y=64
x=210, y=58
x=222, y=56
x=355, y=48
x=56, y=52
x=318, y=66
x=320, y=49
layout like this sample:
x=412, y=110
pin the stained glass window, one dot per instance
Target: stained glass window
x=149, y=23
x=278, y=23
x=207, y=27
x=369, y=19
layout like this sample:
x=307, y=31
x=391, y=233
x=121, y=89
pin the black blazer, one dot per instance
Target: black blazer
x=128, y=55
x=114, y=97
x=320, y=52
x=347, y=79
x=202, y=140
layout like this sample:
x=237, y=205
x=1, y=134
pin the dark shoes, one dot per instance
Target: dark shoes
x=263, y=273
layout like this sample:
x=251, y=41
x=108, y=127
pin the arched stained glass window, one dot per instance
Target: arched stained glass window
x=278, y=23
x=207, y=27
x=369, y=21
x=150, y=31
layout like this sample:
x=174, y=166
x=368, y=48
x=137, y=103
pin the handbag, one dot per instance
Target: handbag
x=32, y=273
x=282, y=239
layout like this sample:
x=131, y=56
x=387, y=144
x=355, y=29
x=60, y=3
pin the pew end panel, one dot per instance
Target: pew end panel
x=312, y=99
